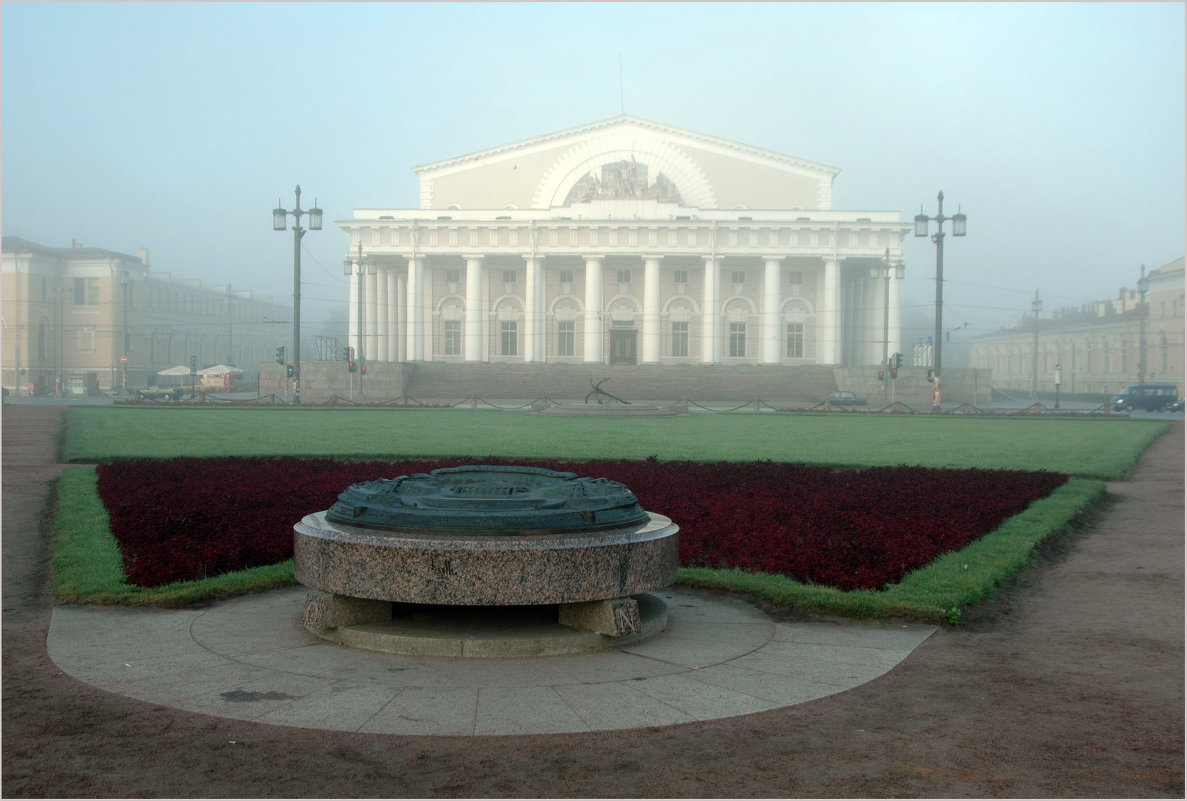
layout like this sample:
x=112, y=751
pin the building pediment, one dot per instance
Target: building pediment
x=625, y=160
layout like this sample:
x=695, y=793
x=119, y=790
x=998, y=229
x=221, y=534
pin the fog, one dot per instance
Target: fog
x=1057, y=128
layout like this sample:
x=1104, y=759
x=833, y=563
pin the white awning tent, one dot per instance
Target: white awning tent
x=179, y=369
x=220, y=369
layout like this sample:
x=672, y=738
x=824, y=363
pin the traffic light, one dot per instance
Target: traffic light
x=289, y=371
x=345, y=353
x=881, y=376
x=362, y=368
x=894, y=372
x=350, y=365
x=280, y=355
x=898, y=360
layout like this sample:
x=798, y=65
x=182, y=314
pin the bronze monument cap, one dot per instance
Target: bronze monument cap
x=491, y=499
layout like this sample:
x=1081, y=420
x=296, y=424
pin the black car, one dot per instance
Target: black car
x=843, y=397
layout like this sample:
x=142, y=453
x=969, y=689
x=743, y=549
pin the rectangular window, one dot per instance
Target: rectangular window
x=680, y=276
x=737, y=339
x=509, y=338
x=86, y=340
x=624, y=276
x=566, y=276
x=80, y=291
x=679, y=339
x=453, y=338
x=795, y=340
x=453, y=276
x=566, y=338
x=795, y=277
x=509, y=276
x=737, y=277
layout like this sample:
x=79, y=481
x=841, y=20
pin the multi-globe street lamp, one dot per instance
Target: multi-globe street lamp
x=1036, y=306
x=1143, y=287
x=279, y=223
x=921, y=229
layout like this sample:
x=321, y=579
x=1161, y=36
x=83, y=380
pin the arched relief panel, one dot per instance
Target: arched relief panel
x=622, y=309
x=660, y=156
x=452, y=307
x=566, y=307
x=739, y=310
x=796, y=310
x=681, y=309
x=507, y=308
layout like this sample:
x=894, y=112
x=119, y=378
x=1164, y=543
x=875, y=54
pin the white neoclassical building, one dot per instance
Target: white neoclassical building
x=621, y=242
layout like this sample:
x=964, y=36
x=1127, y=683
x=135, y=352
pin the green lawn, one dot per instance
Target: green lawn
x=1098, y=448
x=87, y=567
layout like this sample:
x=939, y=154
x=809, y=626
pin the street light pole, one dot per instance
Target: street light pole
x=360, y=277
x=921, y=229
x=887, y=272
x=1143, y=285
x=279, y=222
x=1036, y=306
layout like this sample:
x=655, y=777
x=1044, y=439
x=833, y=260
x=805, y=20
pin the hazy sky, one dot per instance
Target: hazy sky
x=1058, y=128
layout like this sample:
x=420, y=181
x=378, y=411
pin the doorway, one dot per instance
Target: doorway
x=622, y=346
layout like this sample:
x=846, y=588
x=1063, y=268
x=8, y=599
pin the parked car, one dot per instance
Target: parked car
x=158, y=392
x=843, y=397
x=1177, y=406
x=1147, y=397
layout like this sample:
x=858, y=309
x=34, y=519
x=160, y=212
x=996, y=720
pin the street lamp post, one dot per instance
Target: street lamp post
x=921, y=229
x=887, y=272
x=1143, y=285
x=347, y=266
x=279, y=222
x=1036, y=306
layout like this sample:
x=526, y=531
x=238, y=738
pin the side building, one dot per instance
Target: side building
x=79, y=321
x=625, y=242
x=1099, y=347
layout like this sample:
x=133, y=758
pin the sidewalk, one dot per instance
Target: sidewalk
x=1070, y=686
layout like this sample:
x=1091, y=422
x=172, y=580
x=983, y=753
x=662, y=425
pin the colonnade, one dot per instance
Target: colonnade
x=391, y=310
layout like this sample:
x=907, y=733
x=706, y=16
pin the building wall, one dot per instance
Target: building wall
x=1098, y=346
x=70, y=314
x=709, y=252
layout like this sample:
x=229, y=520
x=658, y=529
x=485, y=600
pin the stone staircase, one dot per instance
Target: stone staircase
x=772, y=384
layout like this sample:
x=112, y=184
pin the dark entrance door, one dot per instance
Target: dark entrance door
x=622, y=346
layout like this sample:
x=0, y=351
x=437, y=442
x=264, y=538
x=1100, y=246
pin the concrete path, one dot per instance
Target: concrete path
x=249, y=659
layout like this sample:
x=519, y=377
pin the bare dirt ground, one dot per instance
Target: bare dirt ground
x=1069, y=685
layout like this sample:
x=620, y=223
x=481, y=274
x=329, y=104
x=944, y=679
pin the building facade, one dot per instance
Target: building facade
x=78, y=321
x=1099, y=347
x=625, y=242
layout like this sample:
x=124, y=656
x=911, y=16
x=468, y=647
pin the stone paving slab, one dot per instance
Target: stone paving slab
x=250, y=659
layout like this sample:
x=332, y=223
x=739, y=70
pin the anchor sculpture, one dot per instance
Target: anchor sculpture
x=602, y=395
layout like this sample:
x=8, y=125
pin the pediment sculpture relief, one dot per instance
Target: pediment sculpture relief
x=623, y=180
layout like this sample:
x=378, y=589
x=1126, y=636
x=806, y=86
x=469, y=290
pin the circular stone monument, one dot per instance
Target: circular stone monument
x=486, y=536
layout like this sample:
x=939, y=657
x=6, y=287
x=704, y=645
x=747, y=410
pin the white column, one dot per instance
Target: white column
x=475, y=319
x=772, y=300
x=402, y=322
x=393, y=316
x=593, y=308
x=826, y=337
x=710, y=313
x=426, y=294
x=371, y=315
x=533, y=340
x=352, y=323
x=415, y=316
x=651, y=309
x=382, y=341
x=895, y=332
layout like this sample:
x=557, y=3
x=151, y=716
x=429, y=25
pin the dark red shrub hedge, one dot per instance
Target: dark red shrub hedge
x=190, y=518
